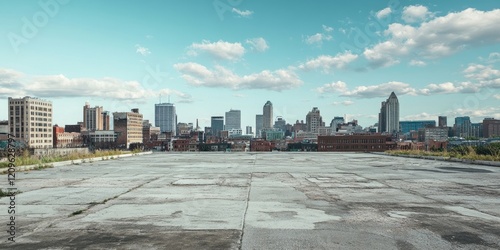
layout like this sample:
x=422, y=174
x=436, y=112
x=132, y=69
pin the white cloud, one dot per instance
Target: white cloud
x=439, y=37
x=421, y=116
x=327, y=29
x=417, y=63
x=198, y=75
x=258, y=44
x=415, y=13
x=383, y=13
x=381, y=90
x=333, y=87
x=318, y=38
x=494, y=57
x=449, y=88
x=485, y=76
x=345, y=103
x=476, y=114
x=327, y=62
x=242, y=13
x=142, y=50
x=497, y=96
x=220, y=49
x=62, y=86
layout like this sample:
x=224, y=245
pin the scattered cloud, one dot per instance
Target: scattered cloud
x=327, y=29
x=142, y=50
x=494, y=57
x=239, y=95
x=417, y=63
x=327, y=62
x=439, y=37
x=318, y=38
x=339, y=87
x=449, y=88
x=381, y=90
x=345, y=103
x=242, y=13
x=485, y=76
x=383, y=13
x=219, y=50
x=421, y=116
x=258, y=44
x=415, y=13
x=199, y=75
x=59, y=85
x=476, y=114
x=497, y=96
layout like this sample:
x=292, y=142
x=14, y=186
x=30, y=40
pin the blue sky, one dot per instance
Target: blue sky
x=440, y=58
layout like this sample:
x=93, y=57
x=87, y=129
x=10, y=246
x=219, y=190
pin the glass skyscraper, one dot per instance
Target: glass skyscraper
x=165, y=117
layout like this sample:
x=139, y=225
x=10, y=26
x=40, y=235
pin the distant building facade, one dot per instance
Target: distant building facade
x=95, y=118
x=128, y=125
x=217, y=125
x=353, y=143
x=442, y=121
x=166, y=117
x=314, y=120
x=233, y=119
x=389, y=115
x=267, y=115
x=407, y=126
x=30, y=121
x=259, y=123
x=491, y=128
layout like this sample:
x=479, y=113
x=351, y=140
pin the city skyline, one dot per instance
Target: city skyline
x=441, y=59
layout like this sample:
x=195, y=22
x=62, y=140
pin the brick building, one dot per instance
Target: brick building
x=353, y=143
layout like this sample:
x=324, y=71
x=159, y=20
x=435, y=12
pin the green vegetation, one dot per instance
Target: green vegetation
x=42, y=162
x=490, y=152
x=4, y=194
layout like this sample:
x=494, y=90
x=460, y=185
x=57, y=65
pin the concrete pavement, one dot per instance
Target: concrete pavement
x=257, y=201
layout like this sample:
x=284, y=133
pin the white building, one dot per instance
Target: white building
x=30, y=120
x=233, y=119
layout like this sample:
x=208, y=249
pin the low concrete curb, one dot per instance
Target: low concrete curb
x=437, y=158
x=73, y=162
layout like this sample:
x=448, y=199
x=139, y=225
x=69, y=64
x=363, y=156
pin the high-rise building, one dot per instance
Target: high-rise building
x=259, y=123
x=165, y=117
x=336, y=121
x=491, y=127
x=407, y=126
x=314, y=120
x=267, y=118
x=389, y=115
x=217, y=125
x=30, y=121
x=462, y=126
x=233, y=119
x=442, y=121
x=92, y=117
x=249, y=130
x=105, y=120
x=280, y=124
x=128, y=126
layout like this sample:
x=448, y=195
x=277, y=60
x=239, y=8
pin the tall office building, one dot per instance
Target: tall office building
x=389, y=115
x=314, y=120
x=267, y=118
x=462, y=126
x=442, y=121
x=128, y=126
x=95, y=118
x=233, y=119
x=491, y=127
x=30, y=121
x=217, y=124
x=165, y=117
x=259, y=123
x=249, y=130
x=407, y=126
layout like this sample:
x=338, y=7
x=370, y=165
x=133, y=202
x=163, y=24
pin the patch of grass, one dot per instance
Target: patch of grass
x=5, y=194
x=466, y=153
x=27, y=159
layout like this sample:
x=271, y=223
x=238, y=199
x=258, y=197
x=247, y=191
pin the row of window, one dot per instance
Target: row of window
x=351, y=141
x=350, y=147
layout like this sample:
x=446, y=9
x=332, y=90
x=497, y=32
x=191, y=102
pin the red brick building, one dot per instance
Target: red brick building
x=491, y=127
x=354, y=143
x=261, y=146
x=181, y=144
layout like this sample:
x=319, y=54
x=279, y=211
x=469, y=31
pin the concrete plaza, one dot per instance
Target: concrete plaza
x=257, y=201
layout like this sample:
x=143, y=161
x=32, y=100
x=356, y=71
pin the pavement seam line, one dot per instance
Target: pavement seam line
x=245, y=213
